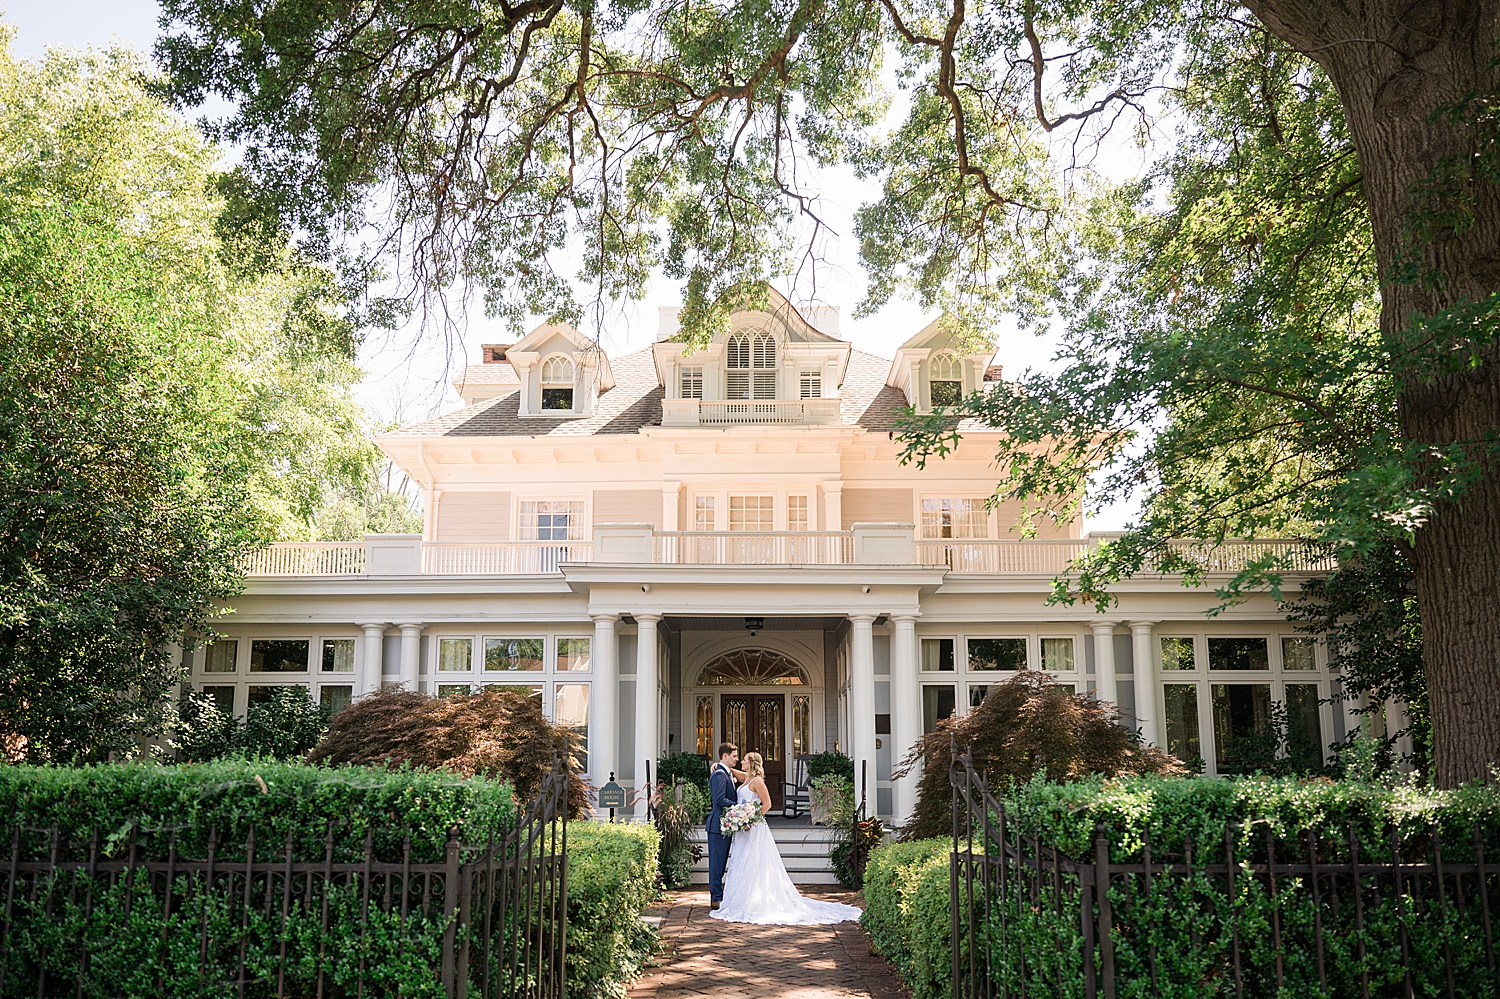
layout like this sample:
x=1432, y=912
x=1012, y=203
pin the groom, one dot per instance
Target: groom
x=721, y=795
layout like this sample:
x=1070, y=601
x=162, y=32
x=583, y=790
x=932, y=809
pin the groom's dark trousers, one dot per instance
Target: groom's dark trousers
x=721, y=797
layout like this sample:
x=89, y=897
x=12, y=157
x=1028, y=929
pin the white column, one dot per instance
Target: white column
x=862, y=704
x=1143, y=652
x=411, y=653
x=669, y=493
x=370, y=669
x=833, y=509
x=1104, y=662
x=1396, y=719
x=604, y=700
x=906, y=710
x=646, y=704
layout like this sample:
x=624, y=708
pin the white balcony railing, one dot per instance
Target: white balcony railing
x=735, y=548
x=308, y=558
x=502, y=558
x=868, y=544
x=737, y=412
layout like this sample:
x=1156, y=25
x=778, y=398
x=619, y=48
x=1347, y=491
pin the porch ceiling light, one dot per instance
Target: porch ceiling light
x=754, y=624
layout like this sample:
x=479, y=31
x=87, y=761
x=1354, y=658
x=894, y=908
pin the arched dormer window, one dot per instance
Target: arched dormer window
x=946, y=377
x=557, y=384
x=751, y=363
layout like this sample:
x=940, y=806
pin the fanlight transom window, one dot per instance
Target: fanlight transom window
x=751, y=364
x=947, y=379
x=752, y=668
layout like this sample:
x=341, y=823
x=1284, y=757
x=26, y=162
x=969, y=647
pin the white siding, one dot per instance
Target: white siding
x=482, y=516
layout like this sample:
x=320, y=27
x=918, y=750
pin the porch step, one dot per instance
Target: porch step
x=804, y=849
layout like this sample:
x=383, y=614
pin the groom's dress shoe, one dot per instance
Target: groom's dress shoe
x=713, y=906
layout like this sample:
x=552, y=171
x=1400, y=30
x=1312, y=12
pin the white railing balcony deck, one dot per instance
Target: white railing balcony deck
x=867, y=544
x=740, y=412
x=770, y=548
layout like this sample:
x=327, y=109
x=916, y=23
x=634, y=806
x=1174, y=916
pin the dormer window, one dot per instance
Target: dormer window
x=557, y=385
x=751, y=364
x=692, y=383
x=811, y=383
x=946, y=379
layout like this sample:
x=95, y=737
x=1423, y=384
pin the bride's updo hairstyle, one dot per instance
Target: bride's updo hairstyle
x=754, y=767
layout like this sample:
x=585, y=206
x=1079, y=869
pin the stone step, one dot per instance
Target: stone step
x=804, y=849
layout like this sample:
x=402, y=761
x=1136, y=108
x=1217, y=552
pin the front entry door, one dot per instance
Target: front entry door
x=757, y=724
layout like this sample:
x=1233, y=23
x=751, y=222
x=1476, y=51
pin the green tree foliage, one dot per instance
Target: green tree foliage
x=163, y=408
x=283, y=726
x=1286, y=325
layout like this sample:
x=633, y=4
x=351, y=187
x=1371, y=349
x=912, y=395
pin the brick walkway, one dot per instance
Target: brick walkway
x=704, y=957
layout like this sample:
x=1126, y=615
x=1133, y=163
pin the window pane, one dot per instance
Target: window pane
x=1182, y=721
x=222, y=696
x=338, y=655
x=1241, y=714
x=557, y=399
x=801, y=725
x=946, y=393
x=692, y=383
x=572, y=654
x=765, y=385
x=220, y=657
x=997, y=653
x=705, y=725
x=1298, y=654
x=278, y=656
x=1177, y=653
x=954, y=518
x=1304, y=730
x=453, y=690
x=752, y=513
x=335, y=696
x=551, y=520
x=1064, y=686
x=455, y=655
x=513, y=654
x=1237, y=653
x=976, y=694
x=737, y=385
x=261, y=694
x=1057, y=655
x=812, y=384
x=572, y=713
x=703, y=513
x=937, y=704
x=937, y=655
x=796, y=513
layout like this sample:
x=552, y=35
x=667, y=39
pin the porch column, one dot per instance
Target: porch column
x=411, y=653
x=604, y=709
x=862, y=702
x=1145, y=681
x=906, y=710
x=646, y=704
x=370, y=669
x=1104, y=662
x=669, y=494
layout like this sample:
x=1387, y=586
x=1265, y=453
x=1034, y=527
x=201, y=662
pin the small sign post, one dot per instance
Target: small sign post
x=611, y=796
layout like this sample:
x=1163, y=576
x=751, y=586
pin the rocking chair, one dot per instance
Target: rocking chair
x=795, y=796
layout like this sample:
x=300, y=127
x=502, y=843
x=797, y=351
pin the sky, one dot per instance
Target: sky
x=408, y=374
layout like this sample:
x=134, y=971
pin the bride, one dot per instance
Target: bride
x=757, y=888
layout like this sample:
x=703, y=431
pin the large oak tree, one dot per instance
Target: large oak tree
x=1286, y=324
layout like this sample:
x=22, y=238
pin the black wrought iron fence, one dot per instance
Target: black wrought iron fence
x=129, y=912
x=1248, y=912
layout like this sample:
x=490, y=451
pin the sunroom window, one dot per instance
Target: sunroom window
x=557, y=384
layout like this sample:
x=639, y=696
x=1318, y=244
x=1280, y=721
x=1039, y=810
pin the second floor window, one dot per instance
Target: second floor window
x=552, y=520
x=557, y=384
x=796, y=513
x=954, y=518
x=752, y=513
x=703, y=513
x=812, y=384
x=692, y=383
x=751, y=364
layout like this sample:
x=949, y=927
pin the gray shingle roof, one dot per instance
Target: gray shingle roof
x=635, y=402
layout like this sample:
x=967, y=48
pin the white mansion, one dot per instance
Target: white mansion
x=675, y=548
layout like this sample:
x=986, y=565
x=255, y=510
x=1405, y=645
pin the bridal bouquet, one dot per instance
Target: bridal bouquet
x=738, y=818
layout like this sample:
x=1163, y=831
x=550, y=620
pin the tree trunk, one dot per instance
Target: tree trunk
x=1396, y=65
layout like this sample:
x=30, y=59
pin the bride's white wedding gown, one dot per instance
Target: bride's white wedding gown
x=757, y=888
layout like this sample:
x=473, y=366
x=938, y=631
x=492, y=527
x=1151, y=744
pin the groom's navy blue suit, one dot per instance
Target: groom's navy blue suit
x=721, y=796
